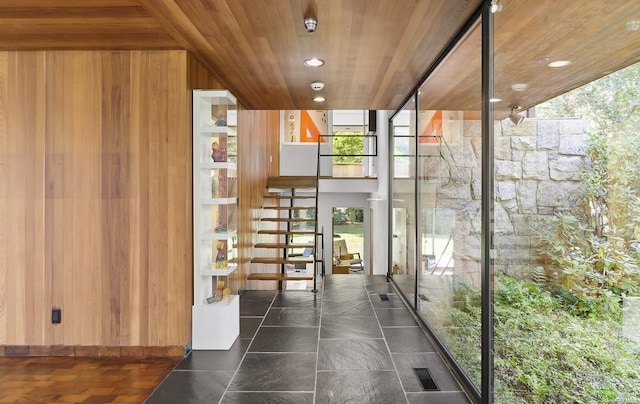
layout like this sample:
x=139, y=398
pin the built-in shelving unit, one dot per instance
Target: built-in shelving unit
x=216, y=310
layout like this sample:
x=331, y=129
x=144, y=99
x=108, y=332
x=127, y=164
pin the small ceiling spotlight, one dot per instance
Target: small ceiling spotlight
x=495, y=99
x=519, y=87
x=515, y=117
x=317, y=85
x=310, y=24
x=496, y=7
x=559, y=63
x=319, y=99
x=313, y=62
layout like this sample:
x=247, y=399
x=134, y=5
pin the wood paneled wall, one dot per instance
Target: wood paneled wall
x=95, y=198
x=258, y=136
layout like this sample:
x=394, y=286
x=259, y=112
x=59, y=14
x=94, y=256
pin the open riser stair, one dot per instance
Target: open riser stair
x=288, y=234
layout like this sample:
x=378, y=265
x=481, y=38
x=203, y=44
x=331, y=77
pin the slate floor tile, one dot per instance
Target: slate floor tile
x=351, y=354
x=276, y=372
x=357, y=386
x=285, y=339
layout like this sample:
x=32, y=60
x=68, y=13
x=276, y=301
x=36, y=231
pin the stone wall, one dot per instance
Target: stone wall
x=537, y=169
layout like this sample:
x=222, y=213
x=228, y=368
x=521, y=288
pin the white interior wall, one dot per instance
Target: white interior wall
x=369, y=194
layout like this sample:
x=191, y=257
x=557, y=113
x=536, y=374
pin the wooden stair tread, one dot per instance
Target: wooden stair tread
x=282, y=245
x=289, y=232
x=292, y=196
x=261, y=276
x=281, y=260
x=287, y=219
x=289, y=207
x=291, y=182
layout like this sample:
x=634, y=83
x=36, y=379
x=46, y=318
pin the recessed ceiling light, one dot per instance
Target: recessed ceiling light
x=559, y=63
x=519, y=87
x=318, y=99
x=313, y=62
x=495, y=99
x=496, y=7
x=633, y=25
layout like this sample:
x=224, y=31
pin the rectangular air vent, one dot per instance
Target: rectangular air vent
x=428, y=384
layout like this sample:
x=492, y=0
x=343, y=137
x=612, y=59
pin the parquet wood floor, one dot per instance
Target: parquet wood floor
x=80, y=380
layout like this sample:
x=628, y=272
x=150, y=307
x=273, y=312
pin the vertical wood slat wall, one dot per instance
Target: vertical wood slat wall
x=95, y=198
x=257, y=142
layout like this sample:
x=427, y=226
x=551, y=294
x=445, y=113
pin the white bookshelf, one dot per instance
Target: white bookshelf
x=216, y=310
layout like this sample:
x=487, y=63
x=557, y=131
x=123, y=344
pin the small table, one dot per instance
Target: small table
x=340, y=268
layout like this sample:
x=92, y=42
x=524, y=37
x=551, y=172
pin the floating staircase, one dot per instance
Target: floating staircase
x=292, y=228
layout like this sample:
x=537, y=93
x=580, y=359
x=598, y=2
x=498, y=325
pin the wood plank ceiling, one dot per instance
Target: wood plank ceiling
x=375, y=50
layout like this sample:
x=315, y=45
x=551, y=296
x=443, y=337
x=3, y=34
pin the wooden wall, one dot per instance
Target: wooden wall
x=258, y=136
x=95, y=198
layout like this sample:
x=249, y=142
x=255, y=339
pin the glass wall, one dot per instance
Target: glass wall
x=516, y=240
x=403, y=208
x=566, y=211
x=437, y=200
x=449, y=188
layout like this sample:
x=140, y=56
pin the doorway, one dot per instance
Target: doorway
x=348, y=240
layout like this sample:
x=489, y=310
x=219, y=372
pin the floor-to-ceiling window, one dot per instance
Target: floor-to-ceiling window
x=449, y=187
x=533, y=212
x=566, y=211
x=403, y=208
x=437, y=192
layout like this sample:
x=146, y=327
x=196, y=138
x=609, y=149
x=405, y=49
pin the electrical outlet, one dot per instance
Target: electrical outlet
x=56, y=316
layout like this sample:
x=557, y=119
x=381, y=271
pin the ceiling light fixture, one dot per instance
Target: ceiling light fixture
x=519, y=87
x=559, y=63
x=313, y=62
x=515, y=117
x=496, y=7
x=310, y=24
x=495, y=99
x=317, y=85
x=319, y=99
x=633, y=25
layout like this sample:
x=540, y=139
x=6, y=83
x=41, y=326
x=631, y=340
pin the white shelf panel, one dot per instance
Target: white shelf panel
x=226, y=165
x=216, y=325
x=218, y=201
x=218, y=236
x=208, y=271
x=217, y=130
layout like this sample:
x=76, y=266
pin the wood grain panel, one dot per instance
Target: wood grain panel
x=95, y=198
x=257, y=132
x=74, y=24
x=21, y=198
x=375, y=50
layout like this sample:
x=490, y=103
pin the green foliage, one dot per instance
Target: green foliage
x=347, y=215
x=355, y=215
x=339, y=216
x=543, y=354
x=593, y=248
x=348, y=147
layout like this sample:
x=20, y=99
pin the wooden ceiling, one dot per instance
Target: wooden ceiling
x=375, y=50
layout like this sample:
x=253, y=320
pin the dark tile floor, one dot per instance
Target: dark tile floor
x=341, y=345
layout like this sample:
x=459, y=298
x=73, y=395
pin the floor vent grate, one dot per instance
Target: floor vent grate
x=428, y=384
x=383, y=296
